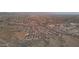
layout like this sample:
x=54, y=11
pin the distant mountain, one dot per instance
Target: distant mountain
x=39, y=13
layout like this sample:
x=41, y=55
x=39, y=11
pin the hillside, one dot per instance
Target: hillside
x=39, y=31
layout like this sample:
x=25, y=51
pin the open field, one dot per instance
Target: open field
x=38, y=30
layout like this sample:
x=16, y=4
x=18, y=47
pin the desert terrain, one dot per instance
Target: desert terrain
x=39, y=30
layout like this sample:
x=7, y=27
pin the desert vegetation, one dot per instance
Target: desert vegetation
x=39, y=31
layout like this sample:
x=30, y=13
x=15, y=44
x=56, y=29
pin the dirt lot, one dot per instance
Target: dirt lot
x=39, y=31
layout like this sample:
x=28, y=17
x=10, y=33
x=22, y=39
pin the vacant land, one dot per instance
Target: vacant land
x=39, y=31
